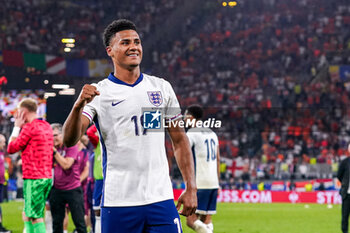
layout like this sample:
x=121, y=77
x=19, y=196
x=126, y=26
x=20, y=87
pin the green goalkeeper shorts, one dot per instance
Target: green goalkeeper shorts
x=35, y=193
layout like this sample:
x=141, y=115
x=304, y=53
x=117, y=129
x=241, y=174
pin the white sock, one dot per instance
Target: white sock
x=65, y=231
x=48, y=221
x=200, y=227
x=210, y=226
x=97, y=224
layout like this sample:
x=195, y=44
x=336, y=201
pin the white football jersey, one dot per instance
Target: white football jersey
x=204, y=144
x=135, y=166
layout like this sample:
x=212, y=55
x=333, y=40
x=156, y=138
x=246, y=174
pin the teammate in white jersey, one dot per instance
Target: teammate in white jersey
x=137, y=192
x=205, y=149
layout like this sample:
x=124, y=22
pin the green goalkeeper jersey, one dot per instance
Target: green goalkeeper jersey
x=98, y=174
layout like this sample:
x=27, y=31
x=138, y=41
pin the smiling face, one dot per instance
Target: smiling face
x=125, y=49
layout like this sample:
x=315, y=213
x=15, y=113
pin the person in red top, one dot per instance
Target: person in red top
x=34, y=137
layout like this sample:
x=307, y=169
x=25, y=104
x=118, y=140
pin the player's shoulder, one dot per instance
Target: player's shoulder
x=36, y=123
x=152, y=78
x=156, y=80
x=101, y=84
x=72, y=149
x=43, y=123
x=37, y=127
x=208, y=131
x=212, y=132
x=192, y=132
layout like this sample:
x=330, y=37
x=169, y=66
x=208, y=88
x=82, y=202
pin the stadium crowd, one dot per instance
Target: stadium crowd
x=38, y=26
x=267, y=76
x=264, y=73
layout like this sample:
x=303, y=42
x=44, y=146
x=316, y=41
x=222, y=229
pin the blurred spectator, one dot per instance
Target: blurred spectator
x=2, y=178
x=67, y=186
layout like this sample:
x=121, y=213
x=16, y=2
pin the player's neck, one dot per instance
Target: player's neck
x=128, y=76
x=31, y=117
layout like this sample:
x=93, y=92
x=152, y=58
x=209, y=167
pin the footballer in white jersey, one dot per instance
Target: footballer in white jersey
x=205, y=149
x=137, y=192
x=204, y=144
x=134, y=161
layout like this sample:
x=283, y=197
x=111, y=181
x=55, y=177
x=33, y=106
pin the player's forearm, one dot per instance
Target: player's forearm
x=15, y=132
x=72, y=127
x=65, y=163
x=185, y=162
x=84, y=175
x=16, y=142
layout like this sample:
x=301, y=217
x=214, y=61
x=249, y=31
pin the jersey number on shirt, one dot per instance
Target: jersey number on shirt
x=211, y=152
x=134, y=119
x=177, y=222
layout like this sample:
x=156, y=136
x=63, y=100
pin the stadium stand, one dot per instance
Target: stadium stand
x=38, y=26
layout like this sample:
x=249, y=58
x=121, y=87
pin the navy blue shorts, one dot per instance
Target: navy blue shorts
x=97, y=195
x=159, y=217
x=206, y=201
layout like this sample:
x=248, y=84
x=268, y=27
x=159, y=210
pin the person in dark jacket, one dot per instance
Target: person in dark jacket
x=343, y=176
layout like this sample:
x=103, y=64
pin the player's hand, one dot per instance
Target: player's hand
x=19, y=118
x=188, y=199
x=87, y=94
x=219, y=191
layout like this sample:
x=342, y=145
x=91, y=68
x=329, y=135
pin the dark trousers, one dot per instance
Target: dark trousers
x=74, y=199
x=345, y=210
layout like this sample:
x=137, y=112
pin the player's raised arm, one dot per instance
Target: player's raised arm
x=76, y=124
x=185, y=162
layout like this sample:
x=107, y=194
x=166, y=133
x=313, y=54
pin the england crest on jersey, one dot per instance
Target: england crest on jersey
x=155, y=97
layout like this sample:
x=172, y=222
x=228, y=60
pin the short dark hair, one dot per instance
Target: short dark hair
x=116, y=26
x=196, y=111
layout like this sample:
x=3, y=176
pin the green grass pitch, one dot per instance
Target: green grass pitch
x=245, y=218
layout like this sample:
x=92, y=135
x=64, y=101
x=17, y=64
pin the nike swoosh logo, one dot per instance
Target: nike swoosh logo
x=114, y=104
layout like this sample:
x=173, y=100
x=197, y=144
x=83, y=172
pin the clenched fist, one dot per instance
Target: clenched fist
x=87, y=94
